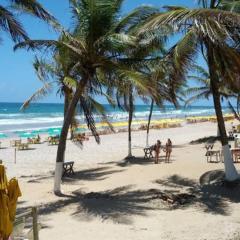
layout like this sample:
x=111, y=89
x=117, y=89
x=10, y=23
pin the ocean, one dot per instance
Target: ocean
x=49, y=115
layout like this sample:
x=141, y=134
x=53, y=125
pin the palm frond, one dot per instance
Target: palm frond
x=232, y=6
x=33, y=7
x=200, y=96
x=212, y=23
x=70, y=82
x=9, y=23
x=36, y=45
x=134, y=18
x=236, y=114
x=86, y=107
x=39, y=94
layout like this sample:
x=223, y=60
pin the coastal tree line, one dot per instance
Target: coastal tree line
x=127, y=57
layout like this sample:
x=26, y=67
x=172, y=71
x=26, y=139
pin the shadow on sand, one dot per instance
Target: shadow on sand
x=121, y=204
x=117, y=205
x=92, y=174
x=212, y=194
x=142, y=161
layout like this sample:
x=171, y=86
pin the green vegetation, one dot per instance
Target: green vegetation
x=124, y=58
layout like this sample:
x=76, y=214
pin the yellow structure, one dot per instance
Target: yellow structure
x=9, y=193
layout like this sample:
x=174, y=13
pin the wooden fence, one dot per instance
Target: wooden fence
x=31, y=213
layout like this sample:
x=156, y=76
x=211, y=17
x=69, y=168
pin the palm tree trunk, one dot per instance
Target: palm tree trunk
x=67, y=99
x=63, y=137
x=66, y=104
x=130, y=123
x=231, y=173
x=218, y=131
x=149, y=122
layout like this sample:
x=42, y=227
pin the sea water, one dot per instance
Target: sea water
x=50, y=115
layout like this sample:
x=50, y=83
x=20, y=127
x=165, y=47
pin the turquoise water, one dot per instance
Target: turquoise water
x=48, y=115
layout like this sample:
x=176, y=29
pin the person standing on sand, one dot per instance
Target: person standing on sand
x=168, y=150
x=157, y=148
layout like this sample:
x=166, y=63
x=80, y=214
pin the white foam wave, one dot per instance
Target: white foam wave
x=30, y=121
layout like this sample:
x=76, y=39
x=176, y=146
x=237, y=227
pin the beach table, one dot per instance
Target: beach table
x=15, y=143
x=23, y=146
x=148, y=152
x=236, y=155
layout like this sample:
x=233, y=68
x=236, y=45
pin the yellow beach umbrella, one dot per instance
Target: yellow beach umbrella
x=14, y=193
x=9, y=193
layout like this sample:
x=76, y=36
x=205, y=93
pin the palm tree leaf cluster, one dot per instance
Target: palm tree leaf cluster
x=10, y=23
x=123, y=58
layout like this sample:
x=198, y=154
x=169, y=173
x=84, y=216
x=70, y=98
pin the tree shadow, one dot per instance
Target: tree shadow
x=37, y=178
x=28, y=149
x=92, y=174
x=135, y=161
x=212, y=195
x=210, y=139
x=117, y=205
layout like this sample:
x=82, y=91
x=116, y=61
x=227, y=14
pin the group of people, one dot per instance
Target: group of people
x=34, y=140
x=167, y=149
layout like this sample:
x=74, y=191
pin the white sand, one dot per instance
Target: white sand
x=214, y=214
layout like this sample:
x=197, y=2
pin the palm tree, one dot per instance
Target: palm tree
x=167, y=90
x=214, y=32
x=97, y=44
x=52, y=74
x=9, y=22
x=204, y=89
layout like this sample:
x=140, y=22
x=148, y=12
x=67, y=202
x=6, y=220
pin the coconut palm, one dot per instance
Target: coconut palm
x=203, y=90
x=8, y=17
x=216, y=33
x=97, y=43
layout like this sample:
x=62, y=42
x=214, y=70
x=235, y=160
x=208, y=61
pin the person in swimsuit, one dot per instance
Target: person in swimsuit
x=168, y=150
x=157, y=148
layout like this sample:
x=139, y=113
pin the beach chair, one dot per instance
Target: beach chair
x=231, y=135
x=68, y=169
x=53, y=140
x=80, y=138
x=148, y=152
x=238, y=128
x=36, y=140
x=213, y=156
x=236, y=155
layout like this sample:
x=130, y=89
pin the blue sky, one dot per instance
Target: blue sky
x=18, y=80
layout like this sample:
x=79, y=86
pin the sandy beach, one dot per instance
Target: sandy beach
x=123, y=202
